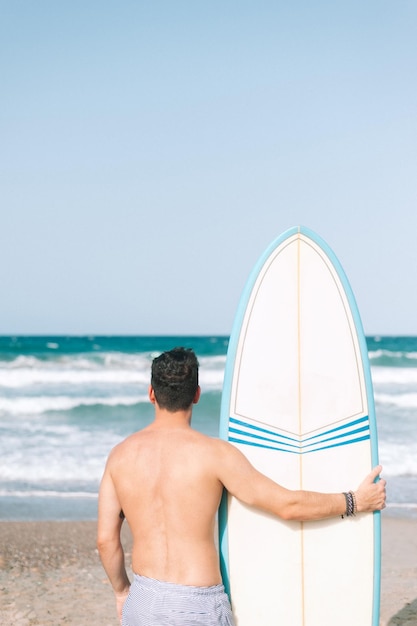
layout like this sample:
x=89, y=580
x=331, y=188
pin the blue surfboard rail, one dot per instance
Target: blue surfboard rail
x=228, y=377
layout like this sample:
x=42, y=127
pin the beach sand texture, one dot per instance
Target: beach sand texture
x=50, y=575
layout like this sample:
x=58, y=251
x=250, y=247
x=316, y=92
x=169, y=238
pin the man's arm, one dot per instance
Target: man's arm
x=108, y=540
x=243, y=481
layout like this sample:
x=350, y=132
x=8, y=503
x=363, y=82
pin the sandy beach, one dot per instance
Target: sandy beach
x=50, y=574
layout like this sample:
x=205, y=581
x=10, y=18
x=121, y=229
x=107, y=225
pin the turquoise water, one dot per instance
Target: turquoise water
x=66, y=401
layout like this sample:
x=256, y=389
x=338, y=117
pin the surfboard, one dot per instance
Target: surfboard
x=298, y=402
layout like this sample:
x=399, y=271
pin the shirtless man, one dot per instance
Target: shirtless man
x=168, y=479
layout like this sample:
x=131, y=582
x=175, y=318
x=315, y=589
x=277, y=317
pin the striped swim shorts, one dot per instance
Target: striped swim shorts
x=154, y=603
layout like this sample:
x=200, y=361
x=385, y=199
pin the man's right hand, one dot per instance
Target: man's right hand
x=371, y=495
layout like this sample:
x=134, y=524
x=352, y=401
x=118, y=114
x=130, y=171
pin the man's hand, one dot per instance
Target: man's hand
x=120, y=600
x=370, y=495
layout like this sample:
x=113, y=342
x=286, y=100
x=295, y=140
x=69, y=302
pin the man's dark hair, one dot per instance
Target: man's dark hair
x=174, y=379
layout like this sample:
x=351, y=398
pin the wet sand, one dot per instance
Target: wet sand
x=50, y=574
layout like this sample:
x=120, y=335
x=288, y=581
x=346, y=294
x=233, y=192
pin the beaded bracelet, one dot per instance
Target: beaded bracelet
x=355, y=506
x=351, y=506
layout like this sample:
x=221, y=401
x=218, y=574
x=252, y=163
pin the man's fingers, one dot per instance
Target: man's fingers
x=375, y=473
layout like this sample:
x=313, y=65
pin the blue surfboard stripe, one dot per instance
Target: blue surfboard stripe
x=233, y=420
x=237, y=431
x=301, y=445
x=343, y=435
x=262, y=445
x=300, y=451
x=333, y=430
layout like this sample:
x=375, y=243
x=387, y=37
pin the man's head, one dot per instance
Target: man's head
x=174, y=379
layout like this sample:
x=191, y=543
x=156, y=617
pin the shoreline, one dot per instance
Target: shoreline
x=50, y=574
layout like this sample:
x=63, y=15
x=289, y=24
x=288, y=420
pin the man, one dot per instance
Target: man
x=167, y=479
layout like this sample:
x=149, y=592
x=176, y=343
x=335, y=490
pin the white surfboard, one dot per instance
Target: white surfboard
x=298, y=402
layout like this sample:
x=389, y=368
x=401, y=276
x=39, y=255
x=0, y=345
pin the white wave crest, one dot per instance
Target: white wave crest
x=41, y=404
x=28, y=377
x=111, y=369
x=403, y=400
x=402, y=505
x=398, y=459
x=37, y=493
x=394, y=375
x=377, y=354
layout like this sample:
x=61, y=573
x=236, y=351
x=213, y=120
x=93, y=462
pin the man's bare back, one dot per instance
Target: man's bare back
x=165, y=477
x=168, y=480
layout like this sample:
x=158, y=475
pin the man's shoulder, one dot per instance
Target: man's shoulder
x=218, y=446
x=212, y=440
x=124, y=446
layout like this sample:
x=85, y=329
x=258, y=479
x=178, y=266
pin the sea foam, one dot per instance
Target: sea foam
x=42, y=404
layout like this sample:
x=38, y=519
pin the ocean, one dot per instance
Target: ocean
x=66, y=401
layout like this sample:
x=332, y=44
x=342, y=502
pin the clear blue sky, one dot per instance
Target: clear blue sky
x=151, y=150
